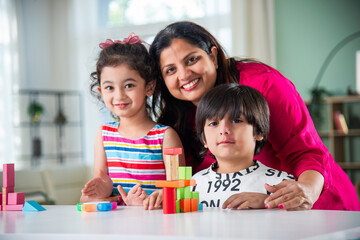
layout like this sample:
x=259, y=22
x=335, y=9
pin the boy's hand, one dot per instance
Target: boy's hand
x=154, y=200
x=135, y=197
x=245, y=200
x=99, y=187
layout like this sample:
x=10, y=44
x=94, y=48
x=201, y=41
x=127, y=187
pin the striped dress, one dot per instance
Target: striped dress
x=134, y=161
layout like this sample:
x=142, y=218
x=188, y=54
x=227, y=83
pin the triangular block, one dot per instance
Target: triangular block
x=32, y=206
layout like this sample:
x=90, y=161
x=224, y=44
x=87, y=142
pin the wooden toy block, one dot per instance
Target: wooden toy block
x=190, y=182
x=91, y=207
x=182, y=173
x=178, y=206
x=200, y=207
x=104, y=206
x=179, y=193
x=187, y=205
x=170, y=184
x=194, y=204
x=16, y=198
x=172, y=151
x=195, y=195
x=32, y=206
x=188, y=172
x=169, y=200
x=171, y=167
x=8, y=175
x=78, y=206
x=187, y=193
x=114, y=205
x=16, y=207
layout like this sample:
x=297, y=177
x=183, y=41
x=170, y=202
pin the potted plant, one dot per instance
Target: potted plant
x=35, y=110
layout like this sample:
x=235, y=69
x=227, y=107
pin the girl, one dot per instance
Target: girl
x=190, y=62
x=128, y=153
x=232, y=121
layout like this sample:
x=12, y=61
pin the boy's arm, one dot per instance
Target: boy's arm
x=245, y=200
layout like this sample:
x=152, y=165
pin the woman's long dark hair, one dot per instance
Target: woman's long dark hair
x=174, y=112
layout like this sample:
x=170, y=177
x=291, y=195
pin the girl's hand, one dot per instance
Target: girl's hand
x=245, y=200
x=153, y=201
x=135, y=197
x=290, y=195
x=99, y=187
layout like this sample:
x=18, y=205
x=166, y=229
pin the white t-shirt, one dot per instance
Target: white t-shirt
x=215, y=188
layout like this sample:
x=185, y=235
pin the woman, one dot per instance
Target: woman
x=190, y=62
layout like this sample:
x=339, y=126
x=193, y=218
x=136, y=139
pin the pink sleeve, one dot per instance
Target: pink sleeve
x=293, y=138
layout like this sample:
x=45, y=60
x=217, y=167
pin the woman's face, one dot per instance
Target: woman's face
x=189, y=72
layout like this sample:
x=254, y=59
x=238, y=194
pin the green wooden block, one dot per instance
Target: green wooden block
x=195, y=195
x=182, y=173
x=188, y=173
x=178, y=206
x=79, y=206
x=180, y=193
x=187, y=193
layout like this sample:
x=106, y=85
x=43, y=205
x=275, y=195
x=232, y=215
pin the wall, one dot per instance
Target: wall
x=306, y=31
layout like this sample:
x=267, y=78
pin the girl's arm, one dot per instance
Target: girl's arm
x=101, y=185
x=172, y=140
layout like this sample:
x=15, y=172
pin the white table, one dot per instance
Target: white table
x=65, y=222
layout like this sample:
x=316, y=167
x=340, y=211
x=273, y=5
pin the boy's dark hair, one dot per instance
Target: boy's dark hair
x=135, y=56
x=237, y=100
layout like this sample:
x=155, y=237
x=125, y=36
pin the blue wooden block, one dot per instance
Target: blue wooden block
x=32, y=206
x=104, y=206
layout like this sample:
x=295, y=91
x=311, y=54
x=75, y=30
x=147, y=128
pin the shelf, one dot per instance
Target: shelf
x=337, y=133
x=47, y=124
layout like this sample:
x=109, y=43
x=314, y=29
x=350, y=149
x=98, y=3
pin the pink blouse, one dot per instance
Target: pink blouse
x=293, y=144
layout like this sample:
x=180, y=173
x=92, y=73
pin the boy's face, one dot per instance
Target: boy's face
x=230, y=139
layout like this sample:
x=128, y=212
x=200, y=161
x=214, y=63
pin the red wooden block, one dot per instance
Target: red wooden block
x=17, y=207
x=169, y=200
x=194, y=204
x=8, y=175
x=16, y=198
x=172, y=151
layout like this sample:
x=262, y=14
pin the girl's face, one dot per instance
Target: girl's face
x=230, y=139
x=124, y=92
x=188, y=71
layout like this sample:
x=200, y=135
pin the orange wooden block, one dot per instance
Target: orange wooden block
x=194, y=204
x=170, y=184
x=190, y=182
x=88, y=207
x=185, y=205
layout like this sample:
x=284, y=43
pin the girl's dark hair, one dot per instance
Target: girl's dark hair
x=135, y=56
x=174, y=112
x=237, y=100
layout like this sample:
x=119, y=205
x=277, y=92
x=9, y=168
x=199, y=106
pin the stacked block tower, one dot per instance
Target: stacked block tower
x=177, y=196
x=11, y=201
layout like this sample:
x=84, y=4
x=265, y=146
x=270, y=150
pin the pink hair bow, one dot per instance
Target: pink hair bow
x=131, y=39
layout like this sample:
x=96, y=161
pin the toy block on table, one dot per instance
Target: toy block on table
x=177, y=195
x=171, y=161
x=32, y=206
x=96, y=206
x=10, y=201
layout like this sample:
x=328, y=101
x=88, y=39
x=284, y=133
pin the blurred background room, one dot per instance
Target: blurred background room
x=48, y=48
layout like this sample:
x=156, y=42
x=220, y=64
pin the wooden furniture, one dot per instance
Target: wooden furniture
x=65, y=222
x=339, y=143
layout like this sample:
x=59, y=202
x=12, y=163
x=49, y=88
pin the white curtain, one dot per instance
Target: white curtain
x=253, y=30
x=9, y=65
